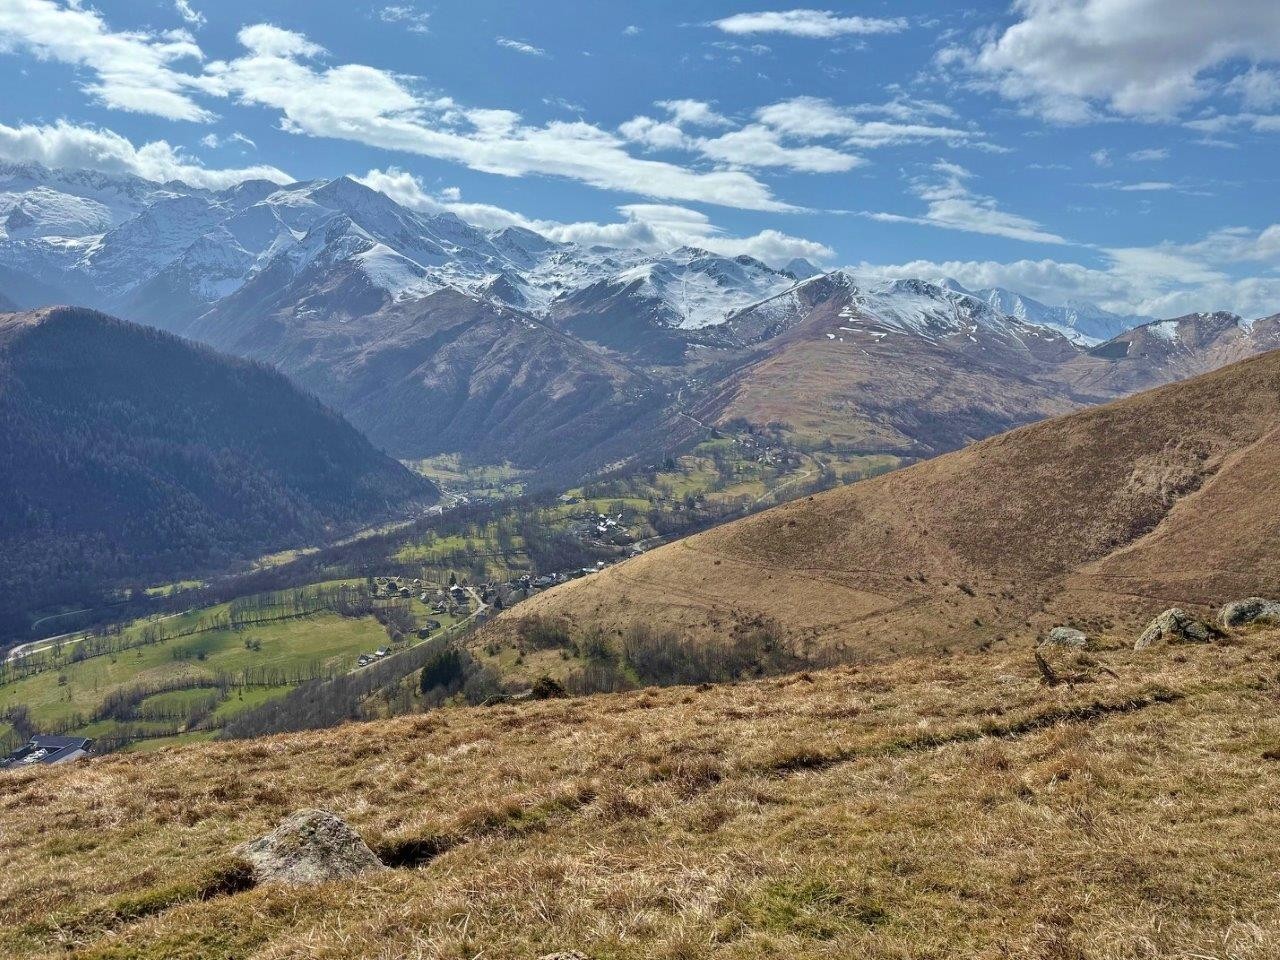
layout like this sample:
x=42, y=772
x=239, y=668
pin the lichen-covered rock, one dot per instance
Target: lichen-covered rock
x=310, y=846
x=1252, y=610
x=1175, y=625
x=1065, y=637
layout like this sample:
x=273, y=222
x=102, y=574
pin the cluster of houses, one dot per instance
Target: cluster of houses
x=602, y=528
x=388, y=588
x=367, y=658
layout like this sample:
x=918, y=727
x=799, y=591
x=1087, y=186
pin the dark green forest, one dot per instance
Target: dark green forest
x=129, y=456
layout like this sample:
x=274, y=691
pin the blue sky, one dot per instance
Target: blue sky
x=1122, y=151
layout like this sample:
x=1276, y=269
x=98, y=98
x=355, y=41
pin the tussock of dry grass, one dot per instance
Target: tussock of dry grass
x=920, y=809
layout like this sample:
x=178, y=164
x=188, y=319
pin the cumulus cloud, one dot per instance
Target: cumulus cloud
x=693, y=113
x=952, y=205
x=67, y=145
x=644, y=226
x=1070, y=60
x=815, y=24
x=381, y=109
x=281, y=70
x=132, y=70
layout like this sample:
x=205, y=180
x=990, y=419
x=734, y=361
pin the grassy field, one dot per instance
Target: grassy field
x=928, y=808
x=452, y=474
x=325, y=640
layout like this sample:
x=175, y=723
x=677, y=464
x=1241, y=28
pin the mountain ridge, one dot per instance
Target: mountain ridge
x=130, y=455
x=996, y=541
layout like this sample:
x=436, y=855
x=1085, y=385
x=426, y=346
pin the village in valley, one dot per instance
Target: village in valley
x=211, y=654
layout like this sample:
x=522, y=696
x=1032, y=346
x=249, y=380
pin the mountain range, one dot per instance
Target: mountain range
x=434, y=336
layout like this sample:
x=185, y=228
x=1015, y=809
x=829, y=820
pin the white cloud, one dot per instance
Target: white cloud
x=694, y=113
x=951, y=205
x=757, y=145
x=814, y=118
x=67, y=145
x=381, y=109
x=1257, y=89
x=213, y=141
x=1068, y=59
x=521, y=47
x=807, y=23
x=1147, y=156
x=645, y=226
x=188, y=13
x=268, y=40
x=411, y=18
x=1225, y=122
x=132, y=70
x=786, y=131
x=631, y=30
x=1165, y=280
x=1101, y=158
x=1147, y=186
x=655, y=134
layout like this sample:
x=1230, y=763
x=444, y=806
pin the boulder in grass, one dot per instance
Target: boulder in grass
x=1175, y=625
x=566, y=955
x=310, y=846
x=1065, y=637
x=1253, y=610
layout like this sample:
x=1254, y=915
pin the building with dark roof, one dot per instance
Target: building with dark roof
x=48, y=750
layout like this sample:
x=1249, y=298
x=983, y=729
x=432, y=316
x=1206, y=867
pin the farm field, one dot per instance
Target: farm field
x=207, y=671
x=188, y=668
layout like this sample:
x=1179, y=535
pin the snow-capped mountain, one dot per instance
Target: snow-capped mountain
x=1083, y=322
x=166, y=253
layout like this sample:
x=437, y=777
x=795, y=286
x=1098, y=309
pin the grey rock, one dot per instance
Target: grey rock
x=1065, y=637
x=565, y=955
x=1252, y=610
x=1175, y=625
x=309, y=846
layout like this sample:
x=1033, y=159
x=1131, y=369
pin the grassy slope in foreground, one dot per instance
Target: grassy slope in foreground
x=1105, y=516
x=922, y=809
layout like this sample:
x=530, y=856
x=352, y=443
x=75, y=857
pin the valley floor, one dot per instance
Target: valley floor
x=927, y=808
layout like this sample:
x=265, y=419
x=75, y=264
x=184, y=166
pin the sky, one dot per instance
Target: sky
x=1118, y=151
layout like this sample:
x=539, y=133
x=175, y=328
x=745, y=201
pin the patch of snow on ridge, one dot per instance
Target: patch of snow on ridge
x=926, y=309
x=1166, y=330
x=396, y=274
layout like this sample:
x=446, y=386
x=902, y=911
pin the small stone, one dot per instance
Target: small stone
x=565, y=955
x=1065, y=637
x=310, y=846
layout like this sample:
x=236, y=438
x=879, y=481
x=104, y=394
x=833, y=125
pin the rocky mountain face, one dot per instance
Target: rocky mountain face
x=128, y=454
x=435, y=336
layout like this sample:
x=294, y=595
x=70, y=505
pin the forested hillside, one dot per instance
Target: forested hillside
x=129, y=455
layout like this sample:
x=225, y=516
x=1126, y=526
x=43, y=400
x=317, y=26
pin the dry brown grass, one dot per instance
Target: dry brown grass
x=1104, y=517
x=928, y=808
